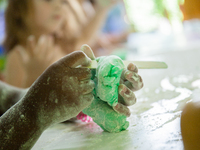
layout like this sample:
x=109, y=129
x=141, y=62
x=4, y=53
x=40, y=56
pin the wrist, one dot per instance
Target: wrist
x=31, y=103
x=25, y=124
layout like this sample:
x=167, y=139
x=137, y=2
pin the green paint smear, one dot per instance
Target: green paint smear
x=106, y=78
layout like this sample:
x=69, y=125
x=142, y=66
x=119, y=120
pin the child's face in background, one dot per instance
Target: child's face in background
x=49, y=14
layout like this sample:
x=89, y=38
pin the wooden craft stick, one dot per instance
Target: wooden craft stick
x=139, y=64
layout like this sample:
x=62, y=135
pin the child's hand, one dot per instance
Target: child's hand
x=36, y=57
x=113, y=119
x=130, y=82
x=62, y=91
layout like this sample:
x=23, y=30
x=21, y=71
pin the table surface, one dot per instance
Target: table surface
x=155, y=119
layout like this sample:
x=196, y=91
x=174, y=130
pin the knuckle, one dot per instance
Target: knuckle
x=90, y=97
x=80, y=53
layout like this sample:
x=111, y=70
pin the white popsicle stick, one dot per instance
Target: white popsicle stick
x=139, y=64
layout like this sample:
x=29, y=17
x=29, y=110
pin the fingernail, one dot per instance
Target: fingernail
x=129, y=74
x=127, y=92
x=84, y=47
x=133, y=67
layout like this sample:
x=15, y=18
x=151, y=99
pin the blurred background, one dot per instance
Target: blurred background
x=142, y=28
x=157, y=30
x=151, y=25
x=2, y=58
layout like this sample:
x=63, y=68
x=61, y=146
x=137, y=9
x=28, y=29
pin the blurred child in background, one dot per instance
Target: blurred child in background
x=39, y=32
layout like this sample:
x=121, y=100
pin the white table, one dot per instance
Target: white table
x=155, y=119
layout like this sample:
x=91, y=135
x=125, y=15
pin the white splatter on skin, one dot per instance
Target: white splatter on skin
x=57, y=95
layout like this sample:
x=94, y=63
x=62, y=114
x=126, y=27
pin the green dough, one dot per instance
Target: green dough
x=104, y=115
x=106, y=78
x=108, y=74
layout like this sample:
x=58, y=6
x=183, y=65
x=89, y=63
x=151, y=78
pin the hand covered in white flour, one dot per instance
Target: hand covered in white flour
x=59, y=94
x=130, y=82
x=63, y=90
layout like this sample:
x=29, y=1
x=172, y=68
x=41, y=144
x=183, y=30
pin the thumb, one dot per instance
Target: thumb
x=76, y=59
x=88, y=51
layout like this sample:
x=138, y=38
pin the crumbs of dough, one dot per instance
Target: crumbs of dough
x=22, y=116
x=53, y=96
x=48, y=80
x=11, y=130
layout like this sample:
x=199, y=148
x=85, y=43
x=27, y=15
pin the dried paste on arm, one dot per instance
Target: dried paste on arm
x=107, y=78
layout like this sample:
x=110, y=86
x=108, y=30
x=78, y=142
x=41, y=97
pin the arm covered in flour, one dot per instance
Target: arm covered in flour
x=59, y=94
x=10, y=95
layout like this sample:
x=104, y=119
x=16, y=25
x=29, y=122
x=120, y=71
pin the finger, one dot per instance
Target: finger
x=132, y=67
x=86, y=100
x=81, y=73
x=31, y=45
x=134, y=81
x=78, y=12
x=86, y=86
x=39, y=50
x=88, y=51
x=75, y=59
x=127, y=96
x=21, y=53
x=81, y=103
x=121, y=109
x=122, y=78
x=50, y=52
x=44, y=47
x=49, y=46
